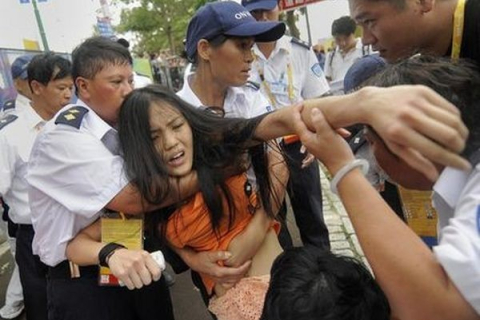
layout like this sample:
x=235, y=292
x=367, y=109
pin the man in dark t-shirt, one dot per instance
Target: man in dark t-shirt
x=400, y=28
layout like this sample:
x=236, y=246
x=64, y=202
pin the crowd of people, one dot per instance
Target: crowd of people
x=202, y=174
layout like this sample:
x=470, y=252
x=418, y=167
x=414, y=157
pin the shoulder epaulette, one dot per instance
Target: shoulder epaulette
x=301, y=43
x=72, y=117
x=7, y=120
x=9, y=105
x=253, y=85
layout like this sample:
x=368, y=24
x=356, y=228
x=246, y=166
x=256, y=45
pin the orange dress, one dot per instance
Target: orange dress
x=190, y=224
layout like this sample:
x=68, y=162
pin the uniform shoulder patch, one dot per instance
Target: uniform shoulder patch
x=9, y=105
x=5, y=121
x=253, y=85
x=72, y=117
x=301, y=43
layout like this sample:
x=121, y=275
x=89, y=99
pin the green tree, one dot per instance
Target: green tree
x=157, y=24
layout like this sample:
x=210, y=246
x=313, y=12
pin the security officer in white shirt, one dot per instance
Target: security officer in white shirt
x=288, y=72
x=49, y=77
x=14, y=303
x=75, y=172
x=20, y=80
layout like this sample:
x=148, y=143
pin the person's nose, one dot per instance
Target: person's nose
x=368, y=38
x=127, y=87
x=249, y=56
x=169, y=140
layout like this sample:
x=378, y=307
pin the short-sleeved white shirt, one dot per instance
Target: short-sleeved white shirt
x=336, y=68
x=306, y=73
x=72, y=176
x=240, y=102
x=457, y=201
x=16, y=141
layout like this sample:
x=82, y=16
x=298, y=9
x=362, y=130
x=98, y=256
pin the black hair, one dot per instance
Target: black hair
x=456, y=81
x=309, y=283
x=124, y=42
x=218, y=144
x=48, y=67
x=214, y=42
x=343, y=26
x=97, y=53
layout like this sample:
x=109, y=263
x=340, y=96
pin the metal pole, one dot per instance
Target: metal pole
x=40, y=26
x=308, y=26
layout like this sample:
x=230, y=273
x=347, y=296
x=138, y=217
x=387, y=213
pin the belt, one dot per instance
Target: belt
x=62, y=271
x=26, y=227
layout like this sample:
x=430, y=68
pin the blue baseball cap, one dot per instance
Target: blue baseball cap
x=228, y=18
x=19, y=67
x=361, y=70
x=252, y=5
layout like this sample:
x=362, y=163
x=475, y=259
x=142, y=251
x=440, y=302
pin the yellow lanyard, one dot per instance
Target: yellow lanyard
x=458, y=22
x=269, y=92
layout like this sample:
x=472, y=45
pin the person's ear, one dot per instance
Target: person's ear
x=204, y=49
x=82, y=85
x=36, y=87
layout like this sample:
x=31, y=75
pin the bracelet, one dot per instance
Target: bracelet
x=346, y=169
x=106, y=252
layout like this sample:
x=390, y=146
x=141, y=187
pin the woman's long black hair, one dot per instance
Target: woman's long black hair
x=219, y=145
x=456, y=81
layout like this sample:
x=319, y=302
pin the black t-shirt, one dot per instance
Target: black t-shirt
x=471, y=32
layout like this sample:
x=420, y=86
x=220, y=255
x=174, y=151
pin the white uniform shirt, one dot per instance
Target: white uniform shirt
x=72, y=176
x=240, y=102
x=16, y=141
x=287, y=56
x=21, y=102
x=336, y=68
x=457, y=201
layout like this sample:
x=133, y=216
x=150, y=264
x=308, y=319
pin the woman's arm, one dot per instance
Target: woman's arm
x=415, y=122
x=135, y=268
x=415, y=283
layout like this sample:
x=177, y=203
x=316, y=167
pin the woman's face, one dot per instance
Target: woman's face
x=231, y=62
x=173, y=139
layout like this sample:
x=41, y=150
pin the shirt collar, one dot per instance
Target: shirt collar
x=187, y=93
x=282, y=44
x=33, y=120
x=233, y=94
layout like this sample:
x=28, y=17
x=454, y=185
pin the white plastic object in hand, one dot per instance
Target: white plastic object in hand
x=346, y=169
x=159, y=259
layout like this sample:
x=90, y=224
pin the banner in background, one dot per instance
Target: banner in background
x=288, y=5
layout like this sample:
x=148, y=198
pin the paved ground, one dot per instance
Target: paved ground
x=187, y=302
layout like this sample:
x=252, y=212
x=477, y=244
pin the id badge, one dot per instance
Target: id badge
x=122, y=229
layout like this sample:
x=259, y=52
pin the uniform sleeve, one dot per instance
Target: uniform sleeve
x=258, y=105
x=459, y=248
x=76, y=170
x=7, y=165
x=315, y=84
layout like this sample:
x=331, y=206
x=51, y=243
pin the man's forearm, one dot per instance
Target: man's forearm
x=129, y=200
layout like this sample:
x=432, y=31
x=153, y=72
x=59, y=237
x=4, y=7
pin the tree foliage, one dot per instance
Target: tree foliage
x=157, y=24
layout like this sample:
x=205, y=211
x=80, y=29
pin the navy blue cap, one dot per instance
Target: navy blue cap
x=361, y=70
x=19, y=67
x=228, y=18
x=252, y=5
